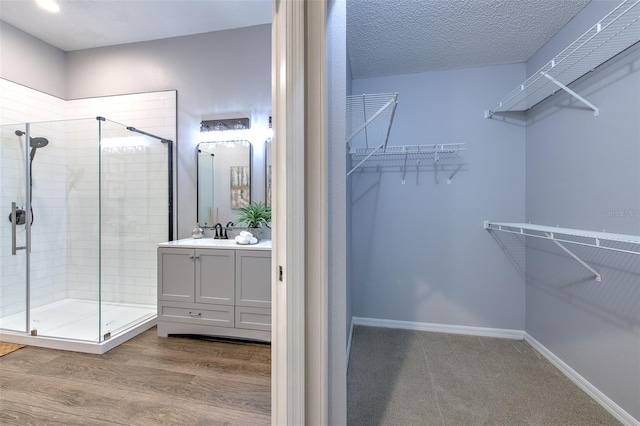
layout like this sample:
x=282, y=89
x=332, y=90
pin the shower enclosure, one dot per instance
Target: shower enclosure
x=83, y=204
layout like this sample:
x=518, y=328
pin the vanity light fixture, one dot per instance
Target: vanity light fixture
x=225, y=124
x=48, y=5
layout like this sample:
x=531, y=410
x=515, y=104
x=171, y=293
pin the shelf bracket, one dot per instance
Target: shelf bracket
x=572, y=254
x=595, y=109
x=489, y=226
x=365, y=159
x=373, y=117
x=453, y=174
x=404, y=168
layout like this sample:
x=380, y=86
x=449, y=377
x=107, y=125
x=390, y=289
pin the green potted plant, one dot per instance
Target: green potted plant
x=253, y=216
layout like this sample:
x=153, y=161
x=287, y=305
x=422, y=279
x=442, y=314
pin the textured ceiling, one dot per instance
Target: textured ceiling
x=83, y=24
x=387, y=37
x=384, y=37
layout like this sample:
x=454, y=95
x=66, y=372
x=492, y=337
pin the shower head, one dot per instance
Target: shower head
x=39, y=142
x=36, y=143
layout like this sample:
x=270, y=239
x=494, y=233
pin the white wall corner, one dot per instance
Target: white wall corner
x=349, y=341
x=606, y=402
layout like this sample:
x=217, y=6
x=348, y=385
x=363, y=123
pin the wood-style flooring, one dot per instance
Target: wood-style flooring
x=148, y=380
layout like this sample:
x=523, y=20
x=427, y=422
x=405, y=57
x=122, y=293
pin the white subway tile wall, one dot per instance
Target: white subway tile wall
x=48, y=275
x=68, y=218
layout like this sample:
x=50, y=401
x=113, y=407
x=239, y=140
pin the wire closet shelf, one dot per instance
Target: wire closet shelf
x=443, y=157
x=369, y=119
x=614, y=33
x=621, y=243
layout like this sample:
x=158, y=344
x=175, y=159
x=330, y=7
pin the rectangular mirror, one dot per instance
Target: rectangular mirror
x=224, y=180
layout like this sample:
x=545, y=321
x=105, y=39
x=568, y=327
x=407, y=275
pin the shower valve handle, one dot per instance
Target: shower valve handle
x=14, y=238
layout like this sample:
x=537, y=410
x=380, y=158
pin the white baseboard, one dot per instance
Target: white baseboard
x=606, y=402
x=439, y=328
x=349, y=342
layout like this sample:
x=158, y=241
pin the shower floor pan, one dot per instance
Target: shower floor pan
x=71, y=324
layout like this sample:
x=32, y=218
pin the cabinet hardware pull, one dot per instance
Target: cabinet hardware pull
x=195, y=314
x=191, y=257
x=197, y=257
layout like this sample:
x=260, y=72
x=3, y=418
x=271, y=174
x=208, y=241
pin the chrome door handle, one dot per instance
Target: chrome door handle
x=13, y=229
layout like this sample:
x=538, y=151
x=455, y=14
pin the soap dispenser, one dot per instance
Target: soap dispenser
x=197, y=232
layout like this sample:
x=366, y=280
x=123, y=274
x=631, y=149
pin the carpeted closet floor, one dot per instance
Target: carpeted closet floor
x=401, y=377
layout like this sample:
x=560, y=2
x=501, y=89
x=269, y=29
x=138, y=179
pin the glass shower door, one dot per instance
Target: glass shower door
x=13, y=236
x=133, y=219
x=84, y=203
x=64, y=264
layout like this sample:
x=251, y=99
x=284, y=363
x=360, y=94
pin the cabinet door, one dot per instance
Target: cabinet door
x=215, y=276
x=175, y=274
x=253, y=278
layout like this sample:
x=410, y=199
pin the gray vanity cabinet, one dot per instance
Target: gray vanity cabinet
x=253, y=290
x=176, y=275
x=196, y=275
x=217, y=292
x=196, y=286
x=215, y=276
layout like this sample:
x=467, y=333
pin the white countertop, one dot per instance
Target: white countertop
x=215, y=244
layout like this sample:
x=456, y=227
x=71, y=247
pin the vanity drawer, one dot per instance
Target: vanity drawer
x=218, y=315
x=253, y=318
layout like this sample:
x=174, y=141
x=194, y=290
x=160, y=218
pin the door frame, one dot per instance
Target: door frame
x=299, y=373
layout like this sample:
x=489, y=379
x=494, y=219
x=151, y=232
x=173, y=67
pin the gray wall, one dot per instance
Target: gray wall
x=226, y=73
x=31, y=62
x=420, y=252
x=584, y=172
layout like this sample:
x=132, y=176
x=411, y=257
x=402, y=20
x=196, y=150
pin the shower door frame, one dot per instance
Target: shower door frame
x=29, y=329
x=27, y=223
x=27, y=244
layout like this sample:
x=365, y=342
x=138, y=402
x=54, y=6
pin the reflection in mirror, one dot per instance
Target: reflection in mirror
x=267, y=172
x=224, y=181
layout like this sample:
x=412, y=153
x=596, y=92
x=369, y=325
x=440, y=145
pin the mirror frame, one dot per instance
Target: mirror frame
x=199, y=220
